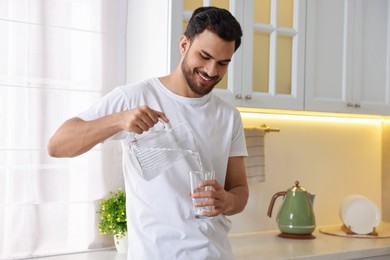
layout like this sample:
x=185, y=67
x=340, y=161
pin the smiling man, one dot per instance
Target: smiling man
x=204, y=64
x=161, y=224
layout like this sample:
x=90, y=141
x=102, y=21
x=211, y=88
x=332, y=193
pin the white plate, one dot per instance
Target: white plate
x=360, y=214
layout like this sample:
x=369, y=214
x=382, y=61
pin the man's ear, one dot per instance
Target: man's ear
x=184, y=44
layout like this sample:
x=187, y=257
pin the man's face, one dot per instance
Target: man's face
x=205, y=61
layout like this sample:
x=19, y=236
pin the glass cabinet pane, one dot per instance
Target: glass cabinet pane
x=285, y=13
x=221, y=3
x=262, y=12
x=273, y=46
x=261, y=49
x=283, y=64
x=191, y=5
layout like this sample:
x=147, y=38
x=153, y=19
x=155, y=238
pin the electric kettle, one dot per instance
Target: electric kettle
x=295, y=218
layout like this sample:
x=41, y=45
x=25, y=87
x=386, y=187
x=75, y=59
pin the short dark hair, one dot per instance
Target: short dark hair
x=217, y=20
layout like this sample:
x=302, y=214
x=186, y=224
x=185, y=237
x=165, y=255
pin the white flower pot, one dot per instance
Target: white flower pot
x=121, y=244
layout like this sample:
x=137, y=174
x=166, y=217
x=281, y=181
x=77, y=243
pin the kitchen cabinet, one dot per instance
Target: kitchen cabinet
x=314, y=55
x=348, y=56
x=273, y=54
x=267, y=71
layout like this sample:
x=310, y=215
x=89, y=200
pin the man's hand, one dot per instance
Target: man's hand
x=140, y=119
x=216, y=195
x=230, y=199
x=77, y=136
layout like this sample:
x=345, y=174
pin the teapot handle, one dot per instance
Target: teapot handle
x=272, y=202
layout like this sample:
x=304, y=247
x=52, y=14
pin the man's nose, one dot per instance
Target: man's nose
x=211, y=69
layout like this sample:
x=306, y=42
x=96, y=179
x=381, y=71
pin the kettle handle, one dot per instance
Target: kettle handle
x=272, y=202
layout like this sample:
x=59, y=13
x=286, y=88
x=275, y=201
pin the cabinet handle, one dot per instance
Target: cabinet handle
x=238, y=96
x=356, y=105
x=248, y=97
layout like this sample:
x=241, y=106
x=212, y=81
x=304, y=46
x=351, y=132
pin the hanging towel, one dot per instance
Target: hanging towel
x=255, y=162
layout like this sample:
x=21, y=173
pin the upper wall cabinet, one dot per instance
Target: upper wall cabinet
x=348, y=56
x=267, y=71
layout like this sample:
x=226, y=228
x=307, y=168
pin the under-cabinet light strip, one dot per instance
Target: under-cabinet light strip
x=321, y=117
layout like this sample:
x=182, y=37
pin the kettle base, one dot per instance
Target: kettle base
x=296, y=236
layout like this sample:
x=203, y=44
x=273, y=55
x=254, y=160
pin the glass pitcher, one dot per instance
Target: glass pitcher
x=157, y=150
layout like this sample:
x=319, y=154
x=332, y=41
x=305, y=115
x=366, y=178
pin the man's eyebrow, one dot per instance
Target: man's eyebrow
x=210, y=56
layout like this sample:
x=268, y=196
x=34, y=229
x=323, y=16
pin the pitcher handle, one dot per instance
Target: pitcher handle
x=162, y=125
x=272, y=202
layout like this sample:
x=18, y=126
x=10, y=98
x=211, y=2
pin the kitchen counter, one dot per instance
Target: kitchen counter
x=267, y=245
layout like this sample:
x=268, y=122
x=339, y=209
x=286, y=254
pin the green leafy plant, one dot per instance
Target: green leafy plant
x=113, y=215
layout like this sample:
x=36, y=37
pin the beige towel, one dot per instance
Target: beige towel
x=255, y=161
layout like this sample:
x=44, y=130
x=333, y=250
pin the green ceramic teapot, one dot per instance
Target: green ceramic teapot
x=296, y=213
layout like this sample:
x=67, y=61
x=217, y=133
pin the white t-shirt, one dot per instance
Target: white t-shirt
x=161, y=224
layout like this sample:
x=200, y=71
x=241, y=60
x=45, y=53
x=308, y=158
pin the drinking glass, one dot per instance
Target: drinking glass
x=196, y=177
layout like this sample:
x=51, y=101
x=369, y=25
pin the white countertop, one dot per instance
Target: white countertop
x=267, y=245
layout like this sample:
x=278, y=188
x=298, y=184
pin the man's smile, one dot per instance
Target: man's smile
x=205, y=78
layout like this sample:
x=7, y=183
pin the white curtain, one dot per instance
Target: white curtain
x=57, y=57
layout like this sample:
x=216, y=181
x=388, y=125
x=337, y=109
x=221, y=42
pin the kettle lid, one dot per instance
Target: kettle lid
x=297, y=187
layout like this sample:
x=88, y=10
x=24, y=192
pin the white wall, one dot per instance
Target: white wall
x=330, y=159
x=148, y=44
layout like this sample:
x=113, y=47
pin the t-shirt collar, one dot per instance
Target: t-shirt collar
x=194, y=101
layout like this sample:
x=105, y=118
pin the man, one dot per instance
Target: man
x=161, y=224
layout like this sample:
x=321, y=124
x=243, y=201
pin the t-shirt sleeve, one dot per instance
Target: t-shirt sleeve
x=238, y=146
x=115, y=101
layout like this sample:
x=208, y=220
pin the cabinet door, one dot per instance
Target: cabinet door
x=328, y=55
x=268, y=69
x=273, y=54
x=347, y=56
x=371, y=64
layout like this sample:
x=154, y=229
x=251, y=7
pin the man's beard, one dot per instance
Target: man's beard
x=196, y=88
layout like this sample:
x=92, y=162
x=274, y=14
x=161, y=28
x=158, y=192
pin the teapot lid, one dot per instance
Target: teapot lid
x=297, y=187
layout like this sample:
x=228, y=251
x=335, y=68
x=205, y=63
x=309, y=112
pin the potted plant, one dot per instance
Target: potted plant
x=113, y=218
